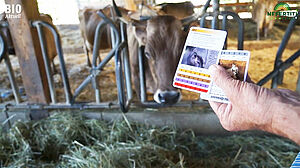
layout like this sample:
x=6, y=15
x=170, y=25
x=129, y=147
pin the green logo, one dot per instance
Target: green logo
x=283, y=11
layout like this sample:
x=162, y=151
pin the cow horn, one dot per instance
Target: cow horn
x=119, y=14
x=195, y=16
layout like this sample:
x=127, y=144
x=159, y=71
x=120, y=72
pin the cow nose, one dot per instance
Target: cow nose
x=168, y=97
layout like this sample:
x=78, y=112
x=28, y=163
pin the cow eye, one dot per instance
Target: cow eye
x=147, y=55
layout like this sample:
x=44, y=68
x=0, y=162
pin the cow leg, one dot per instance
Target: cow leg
x=265, y=32
x=88, y=61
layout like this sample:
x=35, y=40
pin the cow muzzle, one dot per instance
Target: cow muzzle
x=167, y=97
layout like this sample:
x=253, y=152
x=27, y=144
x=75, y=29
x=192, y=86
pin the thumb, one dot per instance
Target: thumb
x=222, y=79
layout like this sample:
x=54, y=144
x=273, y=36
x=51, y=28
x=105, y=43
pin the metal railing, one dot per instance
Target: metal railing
x=4, y=56
x=215, y=25
x=280, y=66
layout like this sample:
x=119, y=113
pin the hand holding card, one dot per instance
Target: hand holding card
x=236, y=63
x=202, y=49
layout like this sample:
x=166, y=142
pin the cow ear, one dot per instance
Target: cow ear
x=140, y=33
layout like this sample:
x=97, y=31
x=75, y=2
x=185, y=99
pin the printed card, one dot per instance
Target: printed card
x=236, y=63
x=201, y=50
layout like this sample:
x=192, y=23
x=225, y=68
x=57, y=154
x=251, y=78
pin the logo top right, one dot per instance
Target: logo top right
x=282, y=11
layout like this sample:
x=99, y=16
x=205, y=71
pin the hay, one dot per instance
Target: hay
x=65, y=140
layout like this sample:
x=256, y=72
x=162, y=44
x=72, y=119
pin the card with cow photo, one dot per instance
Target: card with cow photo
x=201, y=50
x=236, y=63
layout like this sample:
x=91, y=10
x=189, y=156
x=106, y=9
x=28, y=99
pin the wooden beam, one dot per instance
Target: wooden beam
x=130, y=5
x=27, y=47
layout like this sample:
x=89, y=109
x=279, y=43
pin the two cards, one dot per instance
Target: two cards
x=203, y=48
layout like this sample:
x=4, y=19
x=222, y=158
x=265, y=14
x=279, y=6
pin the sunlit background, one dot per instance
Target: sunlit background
x=66, y=11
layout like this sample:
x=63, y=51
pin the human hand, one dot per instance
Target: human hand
x=254, y=107
x=250, y=106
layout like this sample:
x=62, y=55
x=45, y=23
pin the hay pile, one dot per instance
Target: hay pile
x=66, y=140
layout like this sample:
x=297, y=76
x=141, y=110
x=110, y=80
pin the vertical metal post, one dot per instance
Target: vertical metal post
x=12, y=79
x=279, y=78
x=95, y=81
x=214, y=21
x=11, y=76
x=224, y=27
x=126, y=61
x=142, y=74
x=112, y=34
x=46, y=62
x=298, y=83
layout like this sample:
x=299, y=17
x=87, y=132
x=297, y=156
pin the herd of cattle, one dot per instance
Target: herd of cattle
x=162, y=34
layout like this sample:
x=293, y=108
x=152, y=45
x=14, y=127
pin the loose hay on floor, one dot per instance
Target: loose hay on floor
x=65, y=140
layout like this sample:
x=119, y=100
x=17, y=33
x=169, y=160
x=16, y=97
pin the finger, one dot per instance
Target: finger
x=222, y=79
x=219, y=108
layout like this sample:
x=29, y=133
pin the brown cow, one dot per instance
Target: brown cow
x=259, y=15
x=89, y=20
x=163, y=38
x=51, y=49
x=179, y=10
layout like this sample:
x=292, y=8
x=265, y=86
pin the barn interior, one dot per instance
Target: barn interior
x=72, y=114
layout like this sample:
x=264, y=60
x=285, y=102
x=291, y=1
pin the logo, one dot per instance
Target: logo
x=282, y=11
x=13, y=10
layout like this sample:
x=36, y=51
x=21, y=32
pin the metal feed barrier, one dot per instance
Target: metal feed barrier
x=4, y=56
x=225, y=14
x=280, y=66
x=122, y=70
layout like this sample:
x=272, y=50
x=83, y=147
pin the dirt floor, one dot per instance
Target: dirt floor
x=261, y=63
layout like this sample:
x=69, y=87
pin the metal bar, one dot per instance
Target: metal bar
x=3, y=49
x=241, y=28
x=143, y=93
x=82, y=86
x=278, y=60
x=282, y=67
x=112, y=35
x=224, y=27
x=12, y=80
x=298, y=83
x=59, y=50
x=96, y=48
x=126, y=61
x=202, y=20
x=43, y=45
x=120, y=79
x=106, y=105
x=214, y=21
x=11, y=76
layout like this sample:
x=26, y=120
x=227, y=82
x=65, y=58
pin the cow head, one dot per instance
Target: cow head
x=163, y=39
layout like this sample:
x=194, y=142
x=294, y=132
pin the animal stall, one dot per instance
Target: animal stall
x=68, y=139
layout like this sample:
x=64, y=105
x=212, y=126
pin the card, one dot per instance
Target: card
x=201, y=49
x=236, y=63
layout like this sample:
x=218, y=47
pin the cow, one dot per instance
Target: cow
x=51, y=49
x=163, y=38
x=259, y=15
x=179, y=10
x=89, y=20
